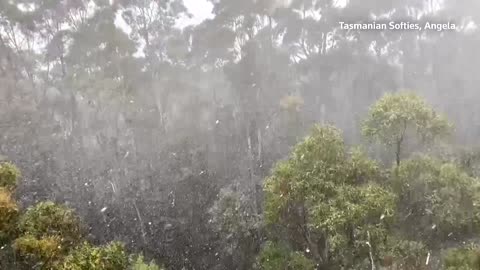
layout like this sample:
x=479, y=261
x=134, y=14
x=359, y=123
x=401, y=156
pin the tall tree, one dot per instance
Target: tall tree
x=395, y=117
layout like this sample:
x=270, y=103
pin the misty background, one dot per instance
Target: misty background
x=141, y=114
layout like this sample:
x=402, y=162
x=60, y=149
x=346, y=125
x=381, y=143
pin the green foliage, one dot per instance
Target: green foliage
x=396, y=116
x=44, y=252
x=276, y=257
x=298, y=261
x=272, y=257
x=8, y=176
x=437, y=200
x=87, y=257
x=353, y=206
x=362, y=168
x=356, y=222
x=332, y=194
x=9, y=213
x=393, y=114
x=467, y=258
x=406, y=255
x=47, y=233
x=8, y=216
x=50, y=219
x=316, y=165
x=139, y=264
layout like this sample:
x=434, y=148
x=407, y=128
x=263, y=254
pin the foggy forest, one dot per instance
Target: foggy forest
x=258, y=135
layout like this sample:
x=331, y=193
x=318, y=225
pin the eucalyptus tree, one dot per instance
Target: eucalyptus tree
x=152, y=25
x=21, y=88
x=54, y=22
x=396, y=117
x=332, y=65
x=306, y=198
x=16, y=43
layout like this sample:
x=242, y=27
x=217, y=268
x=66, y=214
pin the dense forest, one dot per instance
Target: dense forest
x=264, y=137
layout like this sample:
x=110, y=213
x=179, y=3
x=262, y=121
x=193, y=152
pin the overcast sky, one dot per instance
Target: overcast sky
x=201, y=10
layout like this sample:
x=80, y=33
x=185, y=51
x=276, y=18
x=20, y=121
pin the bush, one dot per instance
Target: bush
x=8, y=216
x=45, y=252
x=47, y=233
x=87, y=257
x=50, y=219
x=8, y=176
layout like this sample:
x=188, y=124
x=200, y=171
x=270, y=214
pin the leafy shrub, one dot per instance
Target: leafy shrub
x=8, y=216
x=88, y=257
x=50, y=219
x=8, y=176
x=45, y=252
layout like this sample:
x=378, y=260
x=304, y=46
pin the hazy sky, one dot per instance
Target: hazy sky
x=201, y=10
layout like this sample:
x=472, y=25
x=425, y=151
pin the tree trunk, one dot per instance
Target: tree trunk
x=398, y=152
